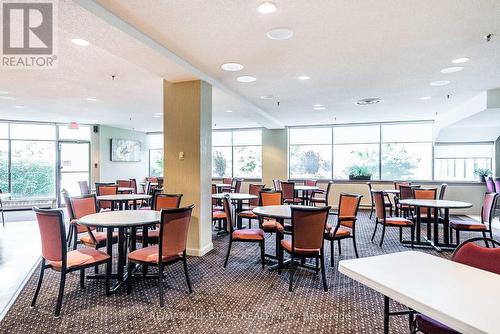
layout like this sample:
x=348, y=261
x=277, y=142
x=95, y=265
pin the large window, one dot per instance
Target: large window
x=310, y=153
x=458, y=161
x=406, y=151
x=155, y=145
x=356, y=149
x=384, y=151
x=237, y=153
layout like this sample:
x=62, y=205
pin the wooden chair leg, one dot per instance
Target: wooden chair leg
x=355, y=246
x=340, y=247
x=332, y=253
x=323, y=273
x=129, y=277
x=39, y=284
x=228, y=251
x=60, y=294
x=160, y=283
x=457, y=235
x=383, y=235
x=485, y=241
x=374, y=231
x=292, y=271
x=262, y=250
x=188, y=281
x=82, y=278
x=108, y=276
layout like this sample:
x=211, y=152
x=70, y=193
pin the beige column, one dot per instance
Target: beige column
x=187, y=131
x=274, y=155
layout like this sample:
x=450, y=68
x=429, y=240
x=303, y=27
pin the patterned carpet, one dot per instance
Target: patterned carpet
x=243, y=298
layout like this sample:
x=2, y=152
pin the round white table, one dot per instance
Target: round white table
x=123, y=199
x=239, y=198
x=436, y=206
x=121, y=220
x=306, y=191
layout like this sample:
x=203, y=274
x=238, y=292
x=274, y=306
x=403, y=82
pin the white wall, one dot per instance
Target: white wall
x=110, y=171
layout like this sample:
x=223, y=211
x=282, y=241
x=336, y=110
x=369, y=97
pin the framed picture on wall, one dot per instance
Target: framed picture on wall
x=125, y=150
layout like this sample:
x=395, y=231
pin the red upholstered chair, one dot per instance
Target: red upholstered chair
x=321, y=197
x=218, y=214
x=483, y=226
x=161, y=201
x=103, y=189
x=133, y=185
x=229, y=184
x=84, y=187
x=255, y=235
x=470, y=254
x=425, y=213
x=442, y=191
x=490, y=185
x=236, y=188
x=398, y=184
x=387, y=204
x=346, y=223
x=83, y=206
x=124, y=184
x=270, y=225
x=170, y=249
x=308, y=228
x=382, y=219
x=288, y=189
x=56, y=256
x=253, y=189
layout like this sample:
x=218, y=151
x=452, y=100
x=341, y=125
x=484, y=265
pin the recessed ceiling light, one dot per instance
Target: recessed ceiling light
x=157, y=115
x=7, y=98
x=368, y=101
x=279, y=33
x=425, y=98
x=452, y=69
x=80, y=42
x=439, y=83
x=232, y=67
x=460, y=60
x=266, y=7
x=3, y=92
x=93, y=99
x=267, y=97
x=317, y=105
x=246, y=78
x=19, y=107
x=229, y=110
x=304, y=77
x=319, y=108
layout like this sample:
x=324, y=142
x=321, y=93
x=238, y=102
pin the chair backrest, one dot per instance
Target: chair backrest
x=82, y=206
x=425, y=194
x=406, y=192
x=65, y=196
x=277, y=185
x=370, y=188
x=152, y=179
x=84, y=187
x=227, y=180
x=497, y=184
x=379, y=200
x=348, y=207
x=237, y=185
x=214, y=191
x=328, y=188
x=473, y=255
x=133, y=185
x=488, y=209
x=167, y=201
x=308, y=226
x=401, y=183
x=229, y=218
x=442, y=191
x=255, y=189
x=102, y=189
x=174, y=230
x=52, y=234
x=267, y=198
x=490, y=184
x=311, y=183
x=123, y=183
x=288, y=189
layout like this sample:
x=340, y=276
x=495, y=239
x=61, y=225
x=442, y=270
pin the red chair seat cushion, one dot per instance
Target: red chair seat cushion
x=218, y=215
x=293, y=200
x=470, y=225
x=287, y=245
x=398, y=221
x=249, y=234
x=100, y=237
x=341, y=233
x=81, y=257
x=248, y=214
x=270, y=225
x=430, y=326
x=150, y=255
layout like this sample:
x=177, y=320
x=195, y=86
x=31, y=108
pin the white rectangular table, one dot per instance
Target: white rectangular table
x=459, y=296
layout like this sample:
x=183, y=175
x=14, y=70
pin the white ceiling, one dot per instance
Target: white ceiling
x=351, y=50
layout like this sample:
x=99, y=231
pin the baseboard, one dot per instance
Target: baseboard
x=200, y=251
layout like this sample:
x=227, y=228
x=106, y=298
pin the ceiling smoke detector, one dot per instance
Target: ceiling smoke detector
x=368, y=101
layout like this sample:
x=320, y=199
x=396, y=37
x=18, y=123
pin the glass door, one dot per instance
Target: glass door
x=74, y=166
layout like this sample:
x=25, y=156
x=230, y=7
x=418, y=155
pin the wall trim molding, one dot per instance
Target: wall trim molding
x=200, y=251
